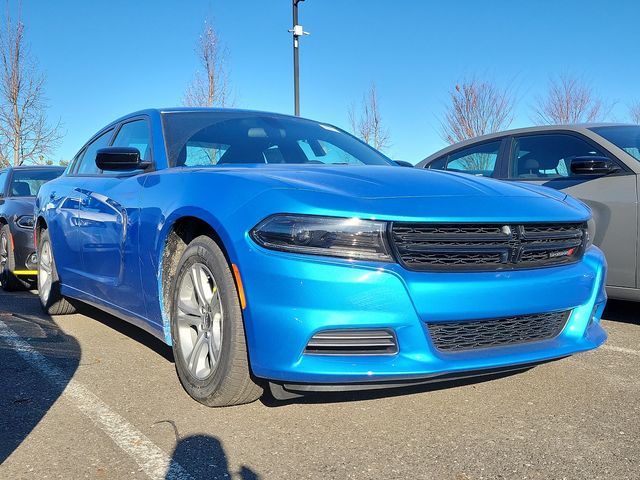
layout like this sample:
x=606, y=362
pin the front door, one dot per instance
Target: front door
x=108, y=222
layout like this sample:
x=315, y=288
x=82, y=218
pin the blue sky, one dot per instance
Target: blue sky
x=106, y=59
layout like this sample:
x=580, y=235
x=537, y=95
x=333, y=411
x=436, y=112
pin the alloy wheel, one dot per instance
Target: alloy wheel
x=199, y=321
x=4, y=251
x=45, y=269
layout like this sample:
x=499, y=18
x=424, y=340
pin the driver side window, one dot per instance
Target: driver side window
x=87, y=164
x=548, y=156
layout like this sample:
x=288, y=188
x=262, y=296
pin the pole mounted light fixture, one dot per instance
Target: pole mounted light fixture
x=297, y=32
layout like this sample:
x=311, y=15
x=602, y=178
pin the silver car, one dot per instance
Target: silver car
x=599, y=164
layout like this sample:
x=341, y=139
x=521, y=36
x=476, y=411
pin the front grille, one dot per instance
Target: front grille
x=447, y=247
x=496, y=332
x=352, y=342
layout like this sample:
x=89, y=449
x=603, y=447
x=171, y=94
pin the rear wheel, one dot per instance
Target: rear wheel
x=8, y=279
x=207, y=329
x=51, y=299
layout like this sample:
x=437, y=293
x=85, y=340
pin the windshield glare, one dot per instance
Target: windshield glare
x=26, y=183
x=196, y=139
x=625, y=137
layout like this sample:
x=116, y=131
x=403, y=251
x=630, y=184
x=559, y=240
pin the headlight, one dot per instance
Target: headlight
x=330, y=236
x=25, y=221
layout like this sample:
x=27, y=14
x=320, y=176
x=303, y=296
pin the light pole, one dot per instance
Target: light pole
x=297, y=32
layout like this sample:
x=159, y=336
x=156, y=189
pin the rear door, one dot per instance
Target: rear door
x=545, y=159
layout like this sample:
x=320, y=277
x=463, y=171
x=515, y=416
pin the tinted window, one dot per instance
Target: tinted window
x=88, y=161
x=626, y=137
x=202, y=154
x=548, y=156
x=26, y=183
x=476, y=160
x=136, y=135
x=438, y=163
x=205, y=138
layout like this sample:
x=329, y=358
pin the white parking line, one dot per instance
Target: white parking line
x=153, y=461
x=621, y=350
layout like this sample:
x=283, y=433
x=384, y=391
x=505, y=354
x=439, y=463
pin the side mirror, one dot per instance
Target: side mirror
x=592, y=165
x=402, y=163
x=120, y=158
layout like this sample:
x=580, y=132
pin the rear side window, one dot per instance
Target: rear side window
x=88, y=161
x=548, y=156
x=476, y=160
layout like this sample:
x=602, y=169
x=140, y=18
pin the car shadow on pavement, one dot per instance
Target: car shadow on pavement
x=128, y=329
x=203, y=457
x=622, y=311
x=340, y=397
x=27, y=393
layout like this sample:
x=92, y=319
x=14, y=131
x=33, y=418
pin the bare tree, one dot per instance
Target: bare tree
x=570, y=99
x=25, y=134
x=476, y=108
x=210, y=87
x=366, y=121
x=634, y=112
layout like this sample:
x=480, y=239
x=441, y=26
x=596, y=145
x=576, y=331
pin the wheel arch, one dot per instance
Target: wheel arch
x=41, y=224
x=177, y=232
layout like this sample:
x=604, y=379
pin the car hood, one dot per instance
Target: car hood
x=17, y=205
x=377, y=182
x=252, y=193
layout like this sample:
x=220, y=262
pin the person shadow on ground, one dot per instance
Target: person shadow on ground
x=203, y=457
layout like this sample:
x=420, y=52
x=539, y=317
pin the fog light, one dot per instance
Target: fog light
x=32, y=261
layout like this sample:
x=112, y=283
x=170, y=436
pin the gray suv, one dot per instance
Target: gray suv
x=599, y=164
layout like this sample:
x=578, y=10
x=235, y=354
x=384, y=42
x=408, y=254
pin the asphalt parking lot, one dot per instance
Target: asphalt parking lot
x=88, y=396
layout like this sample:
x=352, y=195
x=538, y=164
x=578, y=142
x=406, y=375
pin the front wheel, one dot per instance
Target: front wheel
x=51, y=299
x=207, y=330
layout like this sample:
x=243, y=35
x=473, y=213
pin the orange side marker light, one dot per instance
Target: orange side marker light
x=236, y=274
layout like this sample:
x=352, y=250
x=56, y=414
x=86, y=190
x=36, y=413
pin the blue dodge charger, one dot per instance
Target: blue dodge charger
x=273, y=251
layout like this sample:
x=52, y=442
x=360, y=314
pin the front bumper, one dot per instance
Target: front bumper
x=292, y=297
x=24, y=251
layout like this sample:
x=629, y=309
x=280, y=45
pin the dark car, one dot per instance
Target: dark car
x=18, y=189
x=598, y=164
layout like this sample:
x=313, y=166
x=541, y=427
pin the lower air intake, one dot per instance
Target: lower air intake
x=353, y=342
x=496, y=332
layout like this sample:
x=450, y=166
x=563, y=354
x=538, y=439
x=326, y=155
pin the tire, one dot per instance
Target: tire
x=207, y=329
x=51, y=300
x=10, y=282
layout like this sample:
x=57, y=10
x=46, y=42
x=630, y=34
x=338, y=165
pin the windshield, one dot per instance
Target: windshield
x=196, y=139
x=626, y=137
x=26, y=183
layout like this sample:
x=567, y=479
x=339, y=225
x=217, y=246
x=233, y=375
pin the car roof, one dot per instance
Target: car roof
x=156, y=111
x=584, y=128
x=33, y=167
